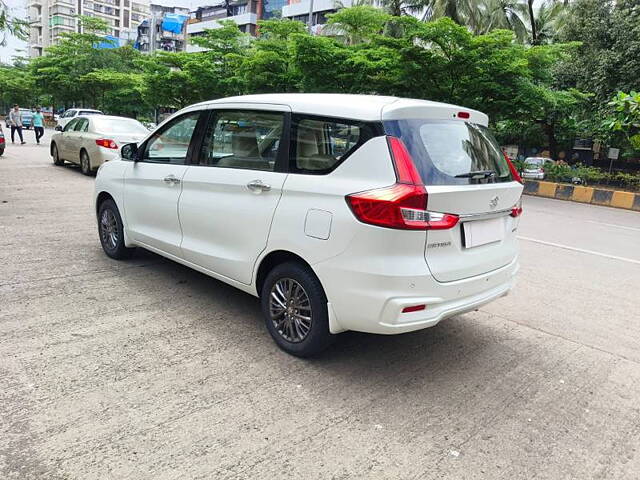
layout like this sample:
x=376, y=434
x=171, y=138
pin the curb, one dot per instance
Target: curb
x=577, y=193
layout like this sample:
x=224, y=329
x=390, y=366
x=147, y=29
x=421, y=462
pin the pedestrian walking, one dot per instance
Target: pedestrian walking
x=15, y=119
x=38, y=124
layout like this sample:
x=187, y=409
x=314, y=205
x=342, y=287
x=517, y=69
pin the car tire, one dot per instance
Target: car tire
x=85, y=163
x=295, y=311
x=111, y=231
x=56, y=156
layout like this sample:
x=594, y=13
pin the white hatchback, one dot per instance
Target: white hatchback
x=341, y=212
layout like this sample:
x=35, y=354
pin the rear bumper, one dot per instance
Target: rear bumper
x=535, y=176
x=373, y=303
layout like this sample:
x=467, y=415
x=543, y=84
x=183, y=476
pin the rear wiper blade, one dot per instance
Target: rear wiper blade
x=478, y=174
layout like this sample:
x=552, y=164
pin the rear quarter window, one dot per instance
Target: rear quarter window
x=446, y=152
x=319, y=145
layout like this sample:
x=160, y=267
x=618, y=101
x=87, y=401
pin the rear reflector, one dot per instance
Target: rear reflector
x=402, y=205
x=463, y=115
x=516, y=211
x=414, y=308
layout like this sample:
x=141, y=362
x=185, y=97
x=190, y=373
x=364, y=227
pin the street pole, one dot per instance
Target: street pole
x=310, y=23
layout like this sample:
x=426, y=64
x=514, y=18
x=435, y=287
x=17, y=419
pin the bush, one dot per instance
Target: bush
x=592, y=176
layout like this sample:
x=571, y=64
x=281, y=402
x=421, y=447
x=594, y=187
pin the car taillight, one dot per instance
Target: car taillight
x=1, y=138
x=402, y=205
x=513, y=169
x=516, y=211
x=106, y=143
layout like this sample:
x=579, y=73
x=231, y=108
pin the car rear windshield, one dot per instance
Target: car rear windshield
x=534, y=161
x=451, y=152
x=90, y=112
x=119, y=125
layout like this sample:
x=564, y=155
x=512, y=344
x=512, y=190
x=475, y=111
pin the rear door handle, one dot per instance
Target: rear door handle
x=171, y=180
x=257, y=186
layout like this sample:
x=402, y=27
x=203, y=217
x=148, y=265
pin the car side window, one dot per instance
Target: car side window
x=245, y=139
x=171, y=144
x=319, y=145
x=81, y=125
x=71, y=125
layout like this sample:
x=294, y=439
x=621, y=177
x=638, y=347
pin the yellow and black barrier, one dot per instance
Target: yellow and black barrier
x=578, y=193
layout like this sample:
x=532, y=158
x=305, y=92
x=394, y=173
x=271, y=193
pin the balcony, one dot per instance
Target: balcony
x=136, y=7
x=243, y=19
x=60, y=10
x=301, y=7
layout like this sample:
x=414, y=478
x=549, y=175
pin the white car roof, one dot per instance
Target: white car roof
x=108, y=117
x=357, y=107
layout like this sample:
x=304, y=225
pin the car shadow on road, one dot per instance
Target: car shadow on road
x=450, y=345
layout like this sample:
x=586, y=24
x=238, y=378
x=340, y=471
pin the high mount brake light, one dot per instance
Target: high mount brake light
x=403, y=205
x=106, y=143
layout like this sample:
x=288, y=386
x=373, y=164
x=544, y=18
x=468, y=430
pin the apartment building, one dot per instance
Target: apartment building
x=246, y=13
x=165, y=29
x=299, y=10
x=50, y=18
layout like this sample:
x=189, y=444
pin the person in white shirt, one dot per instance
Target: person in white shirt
x=15, y=120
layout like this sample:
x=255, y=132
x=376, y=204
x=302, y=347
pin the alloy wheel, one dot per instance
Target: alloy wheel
x=84, y=163
x=109, y=229
x=290, y=310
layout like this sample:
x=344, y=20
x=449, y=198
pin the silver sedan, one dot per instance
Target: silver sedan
x=89, y=141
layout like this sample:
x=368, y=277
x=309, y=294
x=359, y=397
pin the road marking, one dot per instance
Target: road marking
x=581, y=250
x=614, y=225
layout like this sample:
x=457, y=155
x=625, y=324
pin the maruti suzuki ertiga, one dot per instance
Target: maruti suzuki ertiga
x=341, y=212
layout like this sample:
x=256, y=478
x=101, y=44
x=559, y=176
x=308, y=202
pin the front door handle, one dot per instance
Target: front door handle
x=171, y=180
x=257, y=186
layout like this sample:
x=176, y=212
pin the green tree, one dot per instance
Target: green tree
x=58, y=72
x=11, y=25
x=607, y=60
x=269, y=65
x=17, y=87
x=179, y=79
x=118, y=93
x=623, y=120
x=357, y=24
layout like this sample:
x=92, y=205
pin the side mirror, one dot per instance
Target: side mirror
x=129, y=151
x=58, y=128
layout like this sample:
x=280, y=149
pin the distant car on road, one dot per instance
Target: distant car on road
x=2, y=141
x=534, y=167
x=91, y=141
x=341, y=212
x=72, y=113
x=27, y=118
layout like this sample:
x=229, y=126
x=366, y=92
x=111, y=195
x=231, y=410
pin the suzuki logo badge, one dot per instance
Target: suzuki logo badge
x=493, y=203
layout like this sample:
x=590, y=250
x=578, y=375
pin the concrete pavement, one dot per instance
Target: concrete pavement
x=148, y=370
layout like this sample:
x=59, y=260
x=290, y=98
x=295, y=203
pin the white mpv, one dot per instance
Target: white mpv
x=341, y=212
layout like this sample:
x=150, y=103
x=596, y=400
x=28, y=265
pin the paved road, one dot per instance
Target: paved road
x=148, y=370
